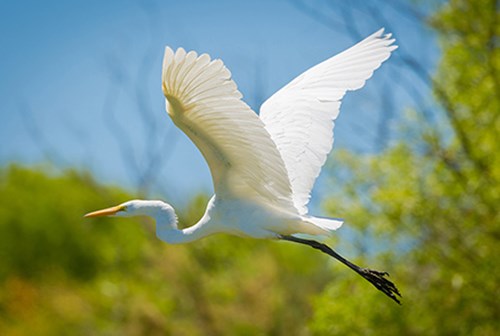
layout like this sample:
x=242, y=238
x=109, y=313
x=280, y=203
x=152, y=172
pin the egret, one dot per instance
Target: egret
x=263, y=167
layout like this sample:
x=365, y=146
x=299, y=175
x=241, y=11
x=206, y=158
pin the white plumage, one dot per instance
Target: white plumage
x=300, y=117
x=263, y=169
x=204, y=102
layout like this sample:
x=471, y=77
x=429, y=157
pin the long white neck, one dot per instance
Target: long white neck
x=167, y=230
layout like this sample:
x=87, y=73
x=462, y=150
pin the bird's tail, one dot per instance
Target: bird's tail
x=326, y=224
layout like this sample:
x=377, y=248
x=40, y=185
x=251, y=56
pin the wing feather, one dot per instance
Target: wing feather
x=300, y=117
x=204, y=102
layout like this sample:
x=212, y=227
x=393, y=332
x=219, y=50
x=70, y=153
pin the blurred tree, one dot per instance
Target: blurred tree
x=431, y=201
x=62, y=274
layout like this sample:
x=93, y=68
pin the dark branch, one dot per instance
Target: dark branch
x=376, y=278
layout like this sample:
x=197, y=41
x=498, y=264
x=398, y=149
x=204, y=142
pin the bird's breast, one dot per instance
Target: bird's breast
x=247, y=218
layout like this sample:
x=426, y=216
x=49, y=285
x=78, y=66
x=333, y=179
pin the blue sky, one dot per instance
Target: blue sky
x=80, y=80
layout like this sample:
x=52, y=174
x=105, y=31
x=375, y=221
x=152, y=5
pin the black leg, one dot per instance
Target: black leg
x=376, y=278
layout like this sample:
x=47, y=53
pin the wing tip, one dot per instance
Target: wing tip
x=379, y=34
x=169, y=52
x=387, y=38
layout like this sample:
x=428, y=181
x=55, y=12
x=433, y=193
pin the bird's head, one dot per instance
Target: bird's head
x=135, y=208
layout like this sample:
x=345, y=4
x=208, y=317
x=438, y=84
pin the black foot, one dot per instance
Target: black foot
x=383, y=284
x=376, y=278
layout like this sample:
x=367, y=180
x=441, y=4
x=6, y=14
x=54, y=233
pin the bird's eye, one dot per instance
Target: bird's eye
x=123, y=208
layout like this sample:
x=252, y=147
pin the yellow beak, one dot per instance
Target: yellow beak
x=105, y=212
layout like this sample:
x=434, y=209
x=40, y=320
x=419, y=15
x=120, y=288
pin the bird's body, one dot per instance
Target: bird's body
x=263, y=168
x=256, y=220
x=248, y=219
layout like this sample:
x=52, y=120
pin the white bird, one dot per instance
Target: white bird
x=263, y=168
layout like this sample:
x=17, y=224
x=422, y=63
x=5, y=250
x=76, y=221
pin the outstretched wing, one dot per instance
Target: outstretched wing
x=300, y=116
x=204, y=102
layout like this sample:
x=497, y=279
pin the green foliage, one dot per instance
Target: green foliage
x=425, y=209
x=66, y=274
x=431, y=202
